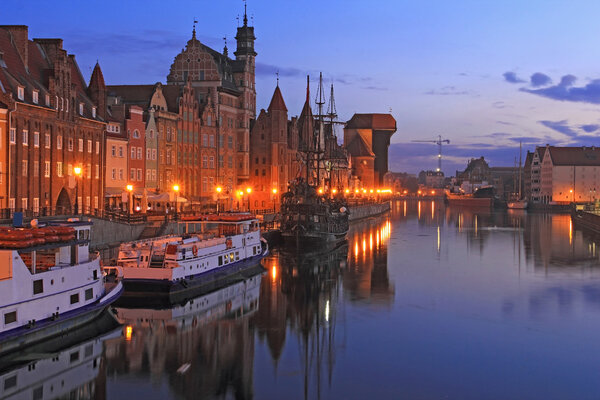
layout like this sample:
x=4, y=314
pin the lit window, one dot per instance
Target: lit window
x=21, y=93
x=47, y=100
x=24, y=167
x=13, y=135
x=47, y=140
x=89, y=142
x=70, y=144
x=25, y=137
x=80, y=108
x=93, y=112
x=35, y=96
x=97, y=147
x=139, y=153
x=59, y=142
x=80, y=145
x=97, y=171
x=59, y=168
x=47, y=169
x=36, y=139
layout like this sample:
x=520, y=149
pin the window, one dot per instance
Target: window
x=59, y=142
x=212, y=140
x=24, y=204
x=36, y=204
x=10, y=382
x=89, y=171
x=139, y=153
x=229, y=162
x=9, y=318
x=80, y=108
x=35, y=96
x=220, y=161
x=97, y=175
x=205, y=140
x=36, y=168
x=211, y=162
x=69, y=169
x=47, y=100
x=21, y=93
x=36, y=139
x=204, y=162
x=121, y=151
x=11, y=203
x=148, y=154
x=136, y=133
x=47, y=169
x=139, y=174
x=75, y=298
x=132, y=174
x=114, y=151
x=89, y=146
x=114, y=174
x=25, y=137
x=209, y=121
x=96, y=202
x=121, y=174
x=230, y=141
x=47, y=140
x=70, y=144
x=24, y=167
x=148, y=175
x=93, y=112
x=89, y=294
x=154, y=154
x=13, y=135
x=97, y=147
x=133, y=153
x=38, y=286
x=153, y=174
x=59, y=168
x=80, y=145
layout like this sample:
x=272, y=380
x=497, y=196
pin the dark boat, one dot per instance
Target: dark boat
x=314, y=211
x=309, y=218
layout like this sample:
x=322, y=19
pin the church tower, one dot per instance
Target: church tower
x=245, y=80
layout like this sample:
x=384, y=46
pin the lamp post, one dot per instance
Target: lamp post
x=274, y=199
x=219, y=190
x=77, y=172
x=248, y=190
x=130, y=202
x=176, y=190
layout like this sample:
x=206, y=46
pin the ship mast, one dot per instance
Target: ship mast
x=320, y=101
x=332, y=114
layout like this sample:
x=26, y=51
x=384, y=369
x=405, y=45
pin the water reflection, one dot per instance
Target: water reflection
x=71, y=366
x=203, y=348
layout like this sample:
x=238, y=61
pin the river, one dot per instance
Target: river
x=427, y=302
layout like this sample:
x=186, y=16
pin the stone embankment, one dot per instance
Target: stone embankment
x=359, y=212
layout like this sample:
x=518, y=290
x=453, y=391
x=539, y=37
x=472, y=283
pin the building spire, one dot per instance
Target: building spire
x=308, y=89
x=277, y=73
x=194, y=28
x=245, y=14
x=225, y=51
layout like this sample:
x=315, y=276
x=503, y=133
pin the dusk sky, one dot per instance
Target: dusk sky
x=483, y=74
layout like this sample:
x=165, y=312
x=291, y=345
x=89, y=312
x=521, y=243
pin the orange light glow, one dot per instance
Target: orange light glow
x=77, y=171
x=274, y=191
x=406, y=191
x=334, y=191
x=274, y=272
x=320, y=190
x=129, y=188
x=128, y=332
x=248, y=190
x=347, y=191
x=356, y=191
x=219, y=189
x=175, y=188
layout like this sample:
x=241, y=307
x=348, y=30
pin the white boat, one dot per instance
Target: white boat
x=175, y=264
x=49, y=283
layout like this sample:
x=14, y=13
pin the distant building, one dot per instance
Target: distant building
x=432, y=179
x=367, y=139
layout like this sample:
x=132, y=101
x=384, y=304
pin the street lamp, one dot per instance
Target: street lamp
x=130, y=205
x=274, y=199
x=219, y=190
x=248, y=190
x=77, y=172
x=176, y=190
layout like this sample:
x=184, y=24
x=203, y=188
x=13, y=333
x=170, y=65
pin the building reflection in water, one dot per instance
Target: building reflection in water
x=71, y=366
x=304, y=298
x=204, y=348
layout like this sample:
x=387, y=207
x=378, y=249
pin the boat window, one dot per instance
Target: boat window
x=231, y=256
x=75, y=298
x=38, y=286
x=254, y=249
x=95, y=274
x=220, y=260
x=89, y=350
x=74, y=356
x=10, y=317
x=237, y=255
x=10, y=382
x=89, y=293
x=81, y=234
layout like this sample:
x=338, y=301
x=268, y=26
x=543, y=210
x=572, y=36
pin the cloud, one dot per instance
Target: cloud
x=561, y=127
x=378, y=88
x=565, y=91
x=499, y=104
x=447, y=91
x=270, y=70
x=540, y=79
x=527, y=140
x=512, y=77
x=505, y=123
x=589, y=128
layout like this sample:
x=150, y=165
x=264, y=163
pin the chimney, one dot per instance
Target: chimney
x=20, y=37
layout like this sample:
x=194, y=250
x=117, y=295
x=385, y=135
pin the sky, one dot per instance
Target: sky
x=485, y=75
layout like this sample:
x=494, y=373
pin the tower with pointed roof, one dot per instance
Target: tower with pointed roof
x=97, y=90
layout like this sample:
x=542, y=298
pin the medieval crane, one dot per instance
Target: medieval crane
x=439, y=141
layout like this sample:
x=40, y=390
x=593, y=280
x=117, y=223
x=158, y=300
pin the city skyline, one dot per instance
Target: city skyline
x=484, y=76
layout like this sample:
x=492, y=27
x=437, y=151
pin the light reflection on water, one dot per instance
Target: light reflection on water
x=425, y=302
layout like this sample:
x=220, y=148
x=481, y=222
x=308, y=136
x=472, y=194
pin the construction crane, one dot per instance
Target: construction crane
x=439, y=142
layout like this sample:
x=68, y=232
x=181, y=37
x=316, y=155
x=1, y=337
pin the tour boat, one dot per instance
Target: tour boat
x=49, y=282
x=175, y=264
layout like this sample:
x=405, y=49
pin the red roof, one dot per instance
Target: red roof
x=581, y=156
x=277, y=102
x=379, y=122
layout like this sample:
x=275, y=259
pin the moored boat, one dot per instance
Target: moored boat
x=49, y=283
x=517, y=204
x=177, y=265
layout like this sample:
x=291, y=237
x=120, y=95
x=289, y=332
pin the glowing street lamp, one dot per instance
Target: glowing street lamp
x=274, y=199
x=77, y=172
x=219, y=189
x=130, y=205
x=248, y=190
x=176, y=190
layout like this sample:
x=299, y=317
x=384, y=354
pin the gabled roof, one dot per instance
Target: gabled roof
x=358, y=148
x=132, y=94
x=380, y=122
x=277, y=102
x=580, y=156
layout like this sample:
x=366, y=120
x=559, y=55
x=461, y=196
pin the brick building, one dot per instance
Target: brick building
x=367, y=138
x=55, y=121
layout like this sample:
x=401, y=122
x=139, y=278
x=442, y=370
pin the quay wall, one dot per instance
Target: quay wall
x=368, y=210
x=587, y=220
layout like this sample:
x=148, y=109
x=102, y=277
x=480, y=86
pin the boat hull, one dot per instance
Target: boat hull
x=165, y=291
x=22, y=337
x=517, y=205
x=479, y=202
